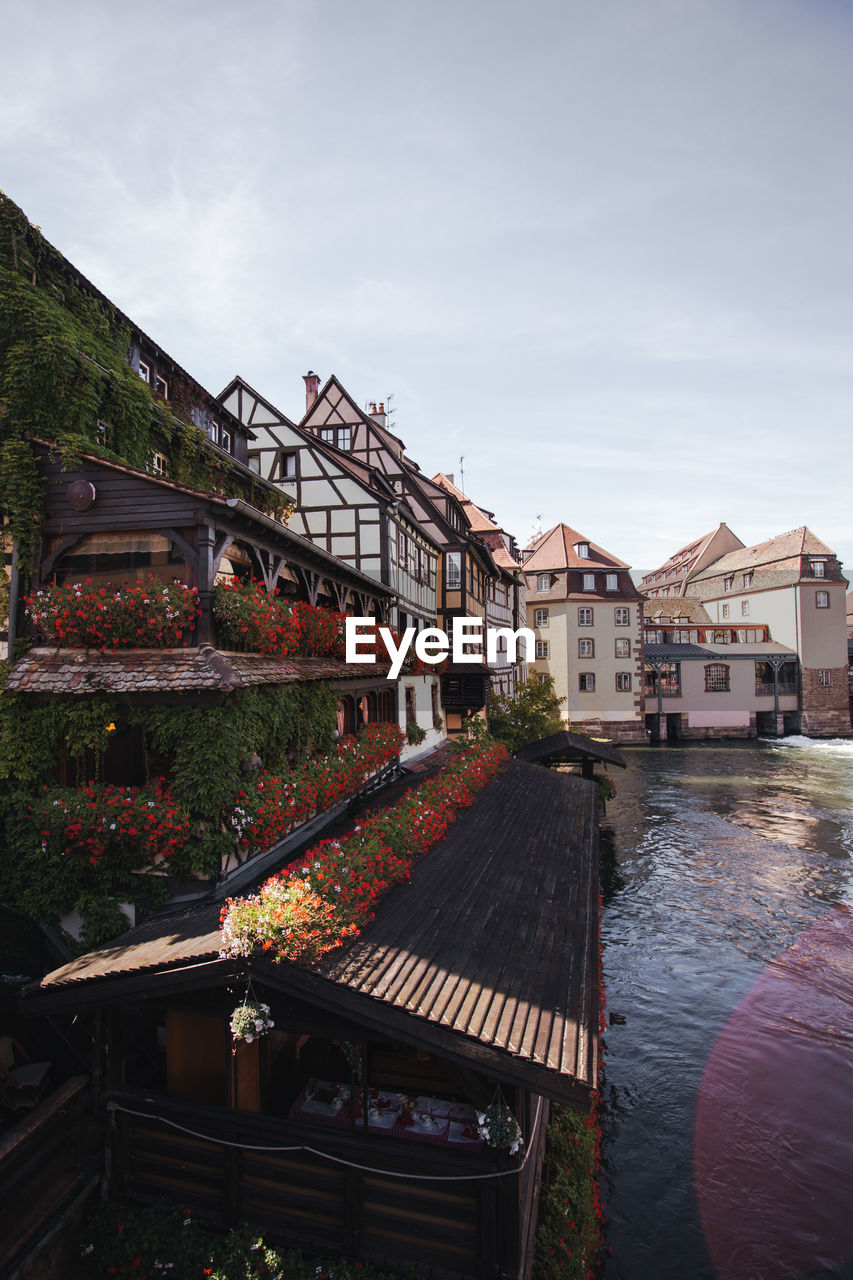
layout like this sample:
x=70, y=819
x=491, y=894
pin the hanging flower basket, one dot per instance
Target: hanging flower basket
x=250, y=1021
x=498, y=1127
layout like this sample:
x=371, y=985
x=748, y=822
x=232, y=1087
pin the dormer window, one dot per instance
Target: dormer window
x=589, y=581
x=818, y=568
x=728, y=583
x=611, y=581
x=543, y=582
x=582, y=550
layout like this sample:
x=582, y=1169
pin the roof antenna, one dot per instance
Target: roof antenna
x=536, y=531
x=461, y=474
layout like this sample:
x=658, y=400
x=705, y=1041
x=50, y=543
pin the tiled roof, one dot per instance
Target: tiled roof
x=681, y=562
x=555, y=549
x=677, y=606
x=489, y=952
x=786, y=546
x=83, y=671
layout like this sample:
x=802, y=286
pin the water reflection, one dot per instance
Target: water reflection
x=726, y=855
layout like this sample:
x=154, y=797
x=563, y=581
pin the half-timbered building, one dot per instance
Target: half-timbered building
x=342, y=503
x=466, y=566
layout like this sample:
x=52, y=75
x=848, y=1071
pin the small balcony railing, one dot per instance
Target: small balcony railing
x=765, y=688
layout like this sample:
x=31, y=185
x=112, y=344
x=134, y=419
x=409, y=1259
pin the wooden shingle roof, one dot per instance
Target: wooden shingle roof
x=45, y=670
x=570, y=746
x=489, y=955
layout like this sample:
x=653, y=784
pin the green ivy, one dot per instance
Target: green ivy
x=63, y=369
x=207, y=745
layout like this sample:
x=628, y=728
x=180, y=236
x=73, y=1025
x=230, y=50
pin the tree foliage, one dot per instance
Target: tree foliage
x=532, y=711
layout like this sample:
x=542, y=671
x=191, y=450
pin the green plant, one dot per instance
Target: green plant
x=568, y=1236
x=414, y=733
x=531, y=712
x=437, y=723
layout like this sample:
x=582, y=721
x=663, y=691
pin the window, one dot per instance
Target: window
x=225, y=440
x=623, y=648
x=726, y=610
x=623, y=681
x=254, y=462
x=747, y=579
x=327, y=434
x=540, y=617
x=144, y=371
x=728, y=583
x=824, y=678
x=822, y=599
x=542, y=648
x=744, y=607
x=161, y=386
x=287, y=466
x=622, y=617
x=542, y=677
x=818, y=568
x=611, y=582
x=105, y=432
x=543, y=582
x=453, y=569
x=402, y=550
x=586, y=682
x=158, y=464
x=584, y=617
x=589, y=582
x=586, y=648
x=343, y=438
x=716, y=678
x=582, y=549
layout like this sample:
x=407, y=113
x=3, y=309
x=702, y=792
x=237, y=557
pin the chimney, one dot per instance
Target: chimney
x=378, y=414
x=449, y=475
x=312, y=388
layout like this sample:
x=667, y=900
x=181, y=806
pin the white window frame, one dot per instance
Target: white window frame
x=287, y=466
x=343, y=439
x=586, y=682
x=821, y=599
x=543, y=582
x=622, y=616
x=541, y=617
x=586, y=617
x=824, y=678
x=611, y=582
x=818, y=568
x=161, y=386
x=543, y=649
x=623, y=681
x=589, y=581
x=726, y=611
x=144, y=371
x=586, y=648
x=453, y=570
x=623, y=649
x=744, y=608
x=582, y=550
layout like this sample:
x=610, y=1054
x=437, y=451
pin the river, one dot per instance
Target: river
x=728, y=951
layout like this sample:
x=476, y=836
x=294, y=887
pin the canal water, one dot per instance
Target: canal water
x=728, y=951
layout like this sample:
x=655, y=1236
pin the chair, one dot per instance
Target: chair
x=22, y=1079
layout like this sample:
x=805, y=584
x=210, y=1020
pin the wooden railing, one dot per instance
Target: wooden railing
x=362, y=1197
x=41, y=1167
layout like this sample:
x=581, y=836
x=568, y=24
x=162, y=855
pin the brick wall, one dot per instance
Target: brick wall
x=826, y=708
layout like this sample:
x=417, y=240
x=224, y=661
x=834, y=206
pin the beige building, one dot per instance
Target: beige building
x=793, y=586
x=586, y=615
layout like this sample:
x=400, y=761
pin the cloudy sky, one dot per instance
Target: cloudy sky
x=602, y=251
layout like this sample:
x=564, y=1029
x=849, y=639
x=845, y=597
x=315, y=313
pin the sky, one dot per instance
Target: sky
x=601, y=252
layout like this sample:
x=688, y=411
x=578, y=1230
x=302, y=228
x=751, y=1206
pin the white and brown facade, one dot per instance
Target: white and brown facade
x=586, y=615
x=791, y=585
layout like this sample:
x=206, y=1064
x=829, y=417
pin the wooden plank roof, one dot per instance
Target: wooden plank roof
x=489, y=955
x=570, y=746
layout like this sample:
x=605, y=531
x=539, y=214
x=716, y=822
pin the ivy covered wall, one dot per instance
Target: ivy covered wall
x=65, y=378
